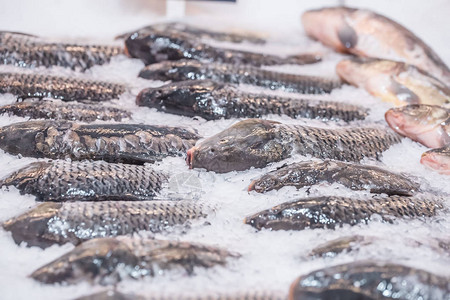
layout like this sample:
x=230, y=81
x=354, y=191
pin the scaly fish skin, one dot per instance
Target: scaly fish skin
x=351, y=175
x=212, y=100
x=67, y=89
x=370, y=280
x=74, y=222
x=437, y=159
x=331, y=212
x=62, y=180
x=57, y=110
x=426, y=124
x=256, y=143
x=152, y=46
x=131, y=143
x=394, y=81
x=238, y=74
x=26, y=50
x=109, y=260
x=365, y=33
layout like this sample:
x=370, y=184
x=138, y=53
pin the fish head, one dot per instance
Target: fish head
x=180, y=97
x=437, y=159
x=245, y=144
x=331, y=27
x=422, y=123
x=95, y=260
x=32, y=226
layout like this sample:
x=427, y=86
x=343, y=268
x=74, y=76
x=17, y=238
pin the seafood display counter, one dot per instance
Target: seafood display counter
x=182, y=160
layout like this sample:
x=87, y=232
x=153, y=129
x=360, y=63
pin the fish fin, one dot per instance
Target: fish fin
x=403, y=94
x=347, y=35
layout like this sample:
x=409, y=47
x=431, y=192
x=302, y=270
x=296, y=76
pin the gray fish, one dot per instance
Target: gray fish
x=62, y=180
x=239, y=74
x=256, y=143
x=197, y=32
x=67, y=89
x=74, y=222
x=332, y=211
x=351, y=175
x=256, y=295
x=212, y=100
x=57, y=110
x=26, y=50
x=130, y=143
x=437, y=159
x=109, y=260
x=370, y=280
x=153, y=46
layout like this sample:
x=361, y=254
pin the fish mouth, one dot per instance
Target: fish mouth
x=190, y=157
x=251, y=187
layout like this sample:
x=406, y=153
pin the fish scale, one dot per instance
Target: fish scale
x=62, y=180
x=75, y=222
x=25, y=50
x=67, y=89
x=238, y=74
x=331, y=211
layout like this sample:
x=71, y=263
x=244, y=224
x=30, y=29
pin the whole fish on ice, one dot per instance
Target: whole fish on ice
x=256, y=143
x=437, y=159
x=426, y=124
x=130, y=143
x=352, y=175
x=366, y=33
x=393, y=81
x=74, y=222
x=182, y=70
x=212, y=100
x=110, y=260
x=370, y=280
x=62, y=180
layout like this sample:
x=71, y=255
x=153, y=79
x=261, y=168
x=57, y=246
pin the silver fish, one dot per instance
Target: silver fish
x=75, y=222
x=109, y=260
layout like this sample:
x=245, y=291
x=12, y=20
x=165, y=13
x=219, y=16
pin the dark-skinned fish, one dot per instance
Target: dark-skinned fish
x=152, y=46
x=426, y=124
x=183, y=70
x=352, y=175
x=74, y=222
x=212, y=100
x=110, y=260
x=64, y=88
x=25, y=50
x=394, y=81
x=333, y=211
x=62, y=180
x=58, y=110
x=130, y=143
x=368, y=34
x=370, y=280
x=437, y=159
x=256, y=143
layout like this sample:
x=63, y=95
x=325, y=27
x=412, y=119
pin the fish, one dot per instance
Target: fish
x=58, y=110
x=197, y=32
x=107, y=261
x=393, y=81
x=437, y=159
x=370, y=280
x=183, y=70
x=368, y=34
x=426, y=124
x=126, y=143
x=53, y=223
x=55, y=87
x=213, y=100
x=29, y=51
x=333, y=211
x=256, y=143
x=61, y=180
x=256, y=295
x=152, y=46
x=352, y=175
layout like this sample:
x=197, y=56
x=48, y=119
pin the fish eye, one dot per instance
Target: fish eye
x=212, y=150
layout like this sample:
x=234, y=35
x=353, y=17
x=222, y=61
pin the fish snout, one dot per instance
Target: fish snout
x=190, y=157
x=395, y=120
x=148, y=97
